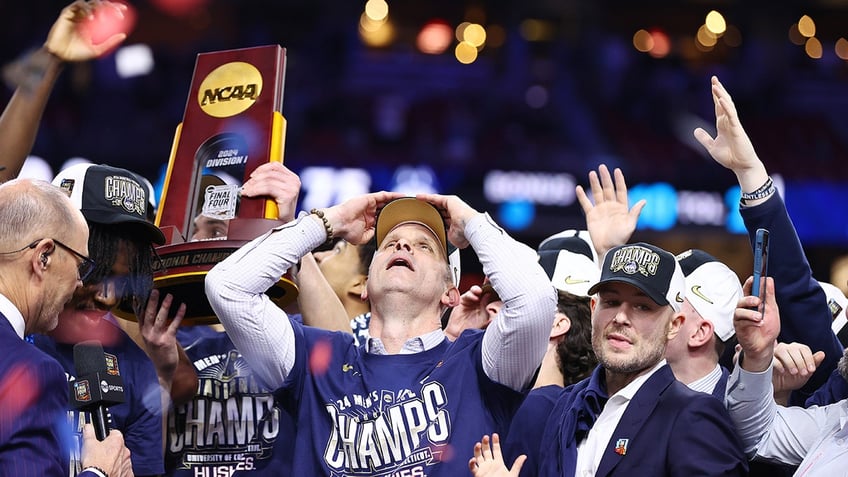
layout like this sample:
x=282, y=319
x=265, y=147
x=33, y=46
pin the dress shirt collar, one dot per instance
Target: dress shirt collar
x=417, y=344
x=708, y=383
x=627, y=392
x=13, y=315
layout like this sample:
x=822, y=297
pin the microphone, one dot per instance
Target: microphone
x=97, y=385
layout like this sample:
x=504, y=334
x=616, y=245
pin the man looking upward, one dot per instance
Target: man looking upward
x=391, y=406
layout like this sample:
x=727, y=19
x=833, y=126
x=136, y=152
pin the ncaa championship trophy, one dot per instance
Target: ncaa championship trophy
x=233, y=123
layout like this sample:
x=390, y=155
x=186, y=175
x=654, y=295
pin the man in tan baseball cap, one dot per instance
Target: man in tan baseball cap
x=432, y=396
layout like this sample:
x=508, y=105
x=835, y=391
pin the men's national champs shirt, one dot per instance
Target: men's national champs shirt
x=411, y=415
x=233, y=426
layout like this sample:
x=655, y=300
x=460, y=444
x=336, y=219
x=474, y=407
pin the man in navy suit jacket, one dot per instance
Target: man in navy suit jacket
x=43, y=259
x=631, y=417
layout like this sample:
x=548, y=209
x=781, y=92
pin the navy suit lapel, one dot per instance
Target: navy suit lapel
x=638, y=411
x=6, y=327
x=721, y=386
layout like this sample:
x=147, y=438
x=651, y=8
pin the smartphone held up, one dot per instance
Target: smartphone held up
x=758, y=287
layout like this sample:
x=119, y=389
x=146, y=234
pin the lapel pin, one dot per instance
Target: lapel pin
x=621, y=446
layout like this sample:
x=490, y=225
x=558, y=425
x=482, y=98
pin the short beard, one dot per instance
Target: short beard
x=635, y=365
x=842, y=366
x=647, y=358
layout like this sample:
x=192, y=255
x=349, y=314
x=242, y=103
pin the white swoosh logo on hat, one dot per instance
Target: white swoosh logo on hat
x=696, y=289
x=677, y=298
x=574, y=281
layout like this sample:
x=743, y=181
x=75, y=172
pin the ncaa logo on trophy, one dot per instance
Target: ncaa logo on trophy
x=233, y=123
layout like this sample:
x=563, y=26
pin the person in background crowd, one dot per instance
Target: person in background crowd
x=345, y=267
x=807, y=317
x=228, y=384
x=811, y=438
x=836, y=387
x=43, y=260
x=838, y=304
x=569, y=357
x=569, y=260
x=788, y=375
x=430, y=395
x=808, y=350
x=712, y=291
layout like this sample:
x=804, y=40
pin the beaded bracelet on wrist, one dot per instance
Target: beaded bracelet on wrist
x=328, y=227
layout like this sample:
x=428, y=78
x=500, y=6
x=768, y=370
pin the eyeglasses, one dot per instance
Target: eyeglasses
x=85, y=267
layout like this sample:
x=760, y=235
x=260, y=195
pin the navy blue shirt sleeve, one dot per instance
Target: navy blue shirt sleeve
x=804, y=314
x=834, y=390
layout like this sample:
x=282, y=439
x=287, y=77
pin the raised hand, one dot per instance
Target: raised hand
x=160, y=335
x=609, y=220
x=475, y=311
x=732, y=147
x=275, y=181
x=794, y=364
x=488, y=460
x=75, y=36
x=355, y=219
x=757, y=332
x=456, y=214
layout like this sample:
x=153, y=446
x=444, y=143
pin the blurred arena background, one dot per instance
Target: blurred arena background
x=508, y=104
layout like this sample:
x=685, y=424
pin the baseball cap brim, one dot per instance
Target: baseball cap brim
x=411, y=210
x=144, y=227
x=570, y=272
x=653, y=295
